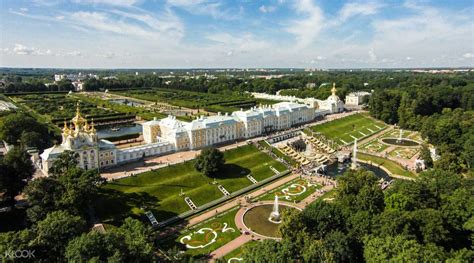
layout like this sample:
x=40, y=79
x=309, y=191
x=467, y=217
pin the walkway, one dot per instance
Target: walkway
x=239, y=200
x=244, y=238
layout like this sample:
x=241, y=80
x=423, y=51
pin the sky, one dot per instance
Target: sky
x=233, y=33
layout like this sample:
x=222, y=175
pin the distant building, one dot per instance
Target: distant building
x=311, y=85
x=357, y=98
x=329, y=106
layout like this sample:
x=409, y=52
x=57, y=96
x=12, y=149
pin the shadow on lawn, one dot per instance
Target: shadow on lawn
x=232, y=171
x=114, y=206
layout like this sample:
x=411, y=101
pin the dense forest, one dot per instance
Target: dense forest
x=427, y=220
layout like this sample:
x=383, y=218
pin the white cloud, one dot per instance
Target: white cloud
x=307, y=28
x=358, y=9
x=213, y=8
x=267, y=9
x=20, y=49
x=24, y=9
x=468, y=55
x=372, y=55
x=108, y=2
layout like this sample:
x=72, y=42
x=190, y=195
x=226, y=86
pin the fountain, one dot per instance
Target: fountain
x=275, y=214
x=354, y=156
x=400, y=136
x=400, y=141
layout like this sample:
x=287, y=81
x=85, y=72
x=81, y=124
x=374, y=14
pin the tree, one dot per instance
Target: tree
x=430, y=226
x=15, y=169
x=14, y=125
x=70, y=188
x=95, y=247
x=138, y=239
x=340, y=245
x=54, y=232
x=399, y=249
x=131, y=242
x=425, y=155
x=43, y=195
x=64, y=163
x=359, y=190
x=210, y=161
x=322, y=217
x=267, y=251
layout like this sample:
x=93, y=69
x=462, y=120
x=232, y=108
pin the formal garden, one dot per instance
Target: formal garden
x=196, y=100
x=204, y=237
x=57, y=108
x=294, y=191
x=163, y=191
x=345, y=130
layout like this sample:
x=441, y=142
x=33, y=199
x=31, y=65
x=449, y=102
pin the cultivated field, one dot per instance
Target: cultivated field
x=159, y=191
x=346, y=130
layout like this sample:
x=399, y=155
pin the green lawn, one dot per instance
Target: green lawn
x=392, y=166
x=374, y=146
x=159, y=190
x=238, y=253
x=205, y=241
x=344, y=130
x=298, y=190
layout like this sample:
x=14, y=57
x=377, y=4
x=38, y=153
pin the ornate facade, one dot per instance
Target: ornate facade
x=221, y=128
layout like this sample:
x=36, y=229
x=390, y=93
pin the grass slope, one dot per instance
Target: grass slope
x=159, y=190
x=345, y=129
x=392, y=166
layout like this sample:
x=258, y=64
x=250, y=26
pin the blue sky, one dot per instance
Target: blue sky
x=246, y=33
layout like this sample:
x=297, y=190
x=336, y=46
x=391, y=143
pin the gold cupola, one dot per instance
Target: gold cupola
x=78, y=120
x=333, y=90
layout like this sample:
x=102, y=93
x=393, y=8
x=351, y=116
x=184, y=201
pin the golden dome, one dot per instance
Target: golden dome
x=78, y=120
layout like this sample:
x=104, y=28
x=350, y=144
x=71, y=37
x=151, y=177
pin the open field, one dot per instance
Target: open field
x=195, y=100
x=345, y=130
x=159, y=191
x=207, y=236
x=392, y=166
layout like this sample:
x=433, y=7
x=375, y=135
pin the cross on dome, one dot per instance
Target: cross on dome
x=333, y=90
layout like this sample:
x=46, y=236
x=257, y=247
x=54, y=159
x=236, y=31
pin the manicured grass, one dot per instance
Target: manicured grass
x=246, y=160
x=298, y=190
x=403, y=152
x=392, y=166
x=395, y=133
x=374, y=146
x=264, y=144
x=344, y=130
x=223, y=225
x=283, y=156
x=159, y=190
x=238, y=253
x=196, y=100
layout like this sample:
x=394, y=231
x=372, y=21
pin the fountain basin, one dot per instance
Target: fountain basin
x=257, y=221
x=400, y=142
x=337, y=169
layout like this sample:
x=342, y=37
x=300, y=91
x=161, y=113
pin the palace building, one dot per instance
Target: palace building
x=221, y=128
x=170, y=134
